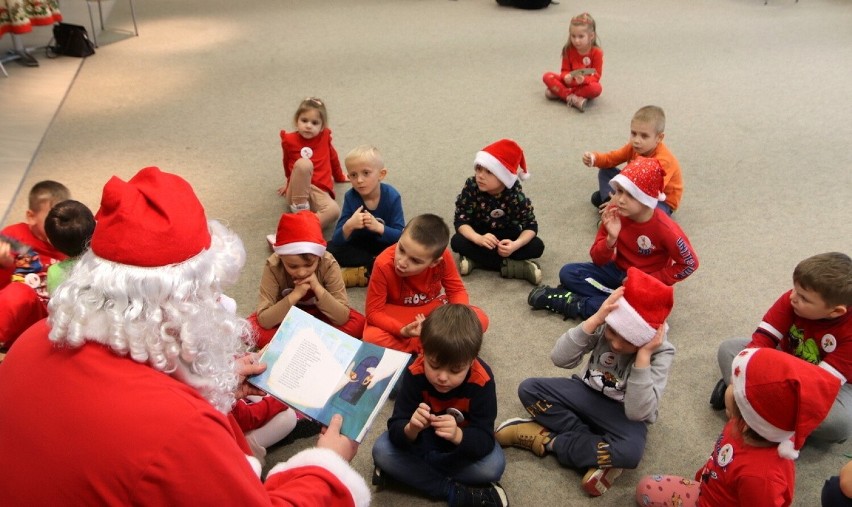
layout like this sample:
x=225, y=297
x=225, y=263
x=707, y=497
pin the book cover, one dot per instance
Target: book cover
x=582, y=72
x=321, y=371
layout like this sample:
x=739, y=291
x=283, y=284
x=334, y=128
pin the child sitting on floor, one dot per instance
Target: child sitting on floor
x=301, y=273
x=69, y=227
x=409, y=280
x=600, y=421
x=494, y=220
x=372, y=217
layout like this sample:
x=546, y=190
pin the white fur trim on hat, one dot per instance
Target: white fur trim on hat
x=331, y=461
x=300, y=247
x=636, y=192
x=491, y=163
x=627, y=322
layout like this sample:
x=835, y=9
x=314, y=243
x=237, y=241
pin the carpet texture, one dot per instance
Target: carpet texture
x=758, y=114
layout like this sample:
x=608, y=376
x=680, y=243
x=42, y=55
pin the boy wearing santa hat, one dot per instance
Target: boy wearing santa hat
x=137, y=366
x=495, y=224
x=300, y=272
x=773, y=403
x=634, y=232
x=600, y=421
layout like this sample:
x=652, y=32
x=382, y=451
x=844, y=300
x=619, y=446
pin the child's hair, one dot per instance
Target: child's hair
x=653, y=115
x=367, y=153
x=312, y=103
x=47, y=191
x=430, y=231
x=451, y=335
x=69, y=227
x=584, y=19
x=829, y=274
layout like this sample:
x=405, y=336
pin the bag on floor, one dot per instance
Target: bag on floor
x=70, y=40
x=526, y=4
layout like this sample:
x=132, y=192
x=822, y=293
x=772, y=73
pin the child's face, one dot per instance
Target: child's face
x=487, y=182
x=365, y=177
x=442, y=377
x=35, y=220
x=627, y=205
x=309, y=124
x=581, y=38
x=617, y=343
x=299, y=268
x=412, y=258
x=809, y=304
x=644, y=137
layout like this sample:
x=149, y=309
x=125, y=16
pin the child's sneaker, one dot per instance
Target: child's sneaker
x=491, y=495
x=523, y=433
x=465, y=265
x=295, y=208
x=717, y=397
x=556, y=300
x=579, y=103
x=354, y=277
x=379, y=478
x=598, y=480
x=522, y=270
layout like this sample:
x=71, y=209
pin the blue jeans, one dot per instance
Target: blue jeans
x=604, y=175
x=587, y=424
x=433, y=472
x=576, y=278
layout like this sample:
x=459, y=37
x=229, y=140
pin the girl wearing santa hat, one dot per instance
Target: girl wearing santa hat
x=773, y=403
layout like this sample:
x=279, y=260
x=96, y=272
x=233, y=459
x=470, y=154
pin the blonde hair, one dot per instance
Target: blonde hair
x=583, y=19
x=653, y=115
x=308, y=104
x=367, y=153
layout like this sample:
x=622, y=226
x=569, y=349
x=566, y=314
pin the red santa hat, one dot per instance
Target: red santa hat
x=299, y=233
x=642, y=309
x=782, y=397
x=153, y=220
x=643, y=179
x=505, y=159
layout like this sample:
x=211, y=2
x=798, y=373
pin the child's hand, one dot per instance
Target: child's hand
x=282, y=190
x=506, y=247
x=300, y=288
x=589, y=158
x=413, y=328
x=643, y=355
x=420, y=419
x=611, y=220
x=356, y=221
x=372, y=224
x=446, y=427
x=606, y=308
x=579, y=78
x=488, y=241
x=6, y=257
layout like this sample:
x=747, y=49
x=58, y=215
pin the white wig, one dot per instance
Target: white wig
x=168, y=316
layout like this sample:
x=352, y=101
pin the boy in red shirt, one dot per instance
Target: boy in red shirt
x=409, y=280
x=25, y=255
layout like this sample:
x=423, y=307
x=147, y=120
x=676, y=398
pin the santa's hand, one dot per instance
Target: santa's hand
x=247, y=366
x=332, y=439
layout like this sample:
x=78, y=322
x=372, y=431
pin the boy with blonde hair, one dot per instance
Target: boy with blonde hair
x=372, y=218
x=410, y=279
x=646, y=140
x=25, y=256
x=810, y=321
x=440, y=438
x=634, y=232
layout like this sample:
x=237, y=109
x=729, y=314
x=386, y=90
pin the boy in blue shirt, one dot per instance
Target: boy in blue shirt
x=372, y=217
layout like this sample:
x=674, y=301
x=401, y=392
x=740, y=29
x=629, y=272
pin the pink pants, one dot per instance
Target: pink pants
x=667, y=491
x=354, y=327
x=406, y=314
x=557, y=86
x=20, y=308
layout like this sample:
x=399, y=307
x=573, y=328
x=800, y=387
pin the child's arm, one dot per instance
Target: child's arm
x=465, y=216
x=376, y=300
x=522, y=213
x=684, y=260
x=336, y=171
x=331, y=298
x=476, y=440
x=419, y=421
x=271, y=307
x=352, y=204
x=573, y=345
x=604, y=247
x=648, y=378
x=452, y=282
x=283, y=188
x=777, y=319
x=609, y=159
x=392, y=214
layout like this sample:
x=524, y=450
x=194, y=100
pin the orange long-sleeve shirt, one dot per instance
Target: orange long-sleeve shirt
x=673, y=179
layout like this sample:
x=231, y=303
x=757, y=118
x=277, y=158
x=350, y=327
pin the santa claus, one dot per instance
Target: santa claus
x=120, y=397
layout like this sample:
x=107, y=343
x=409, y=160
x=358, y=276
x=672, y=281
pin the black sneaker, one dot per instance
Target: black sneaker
x=717, y=397
x=379, y=478
x=487, y=496
x=556, y=300
x=596, y=199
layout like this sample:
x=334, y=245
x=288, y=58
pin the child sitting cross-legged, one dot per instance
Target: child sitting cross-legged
x=600, y=421
x=440, y=438
x=301, y=273
x=773, y=403
x=69, y=227
x=495, y=224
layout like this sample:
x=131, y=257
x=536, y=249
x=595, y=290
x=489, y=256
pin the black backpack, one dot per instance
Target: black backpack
x=526, y=4
x=70, y=40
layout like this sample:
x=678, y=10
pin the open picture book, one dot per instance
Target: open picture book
x=321, y=371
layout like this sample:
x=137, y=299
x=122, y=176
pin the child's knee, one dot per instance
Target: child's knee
x=304, y=165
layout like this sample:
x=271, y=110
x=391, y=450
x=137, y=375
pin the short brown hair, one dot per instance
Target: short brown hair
x=653, y=115
x=47, y=191
x=829, y=274
x=430, y=231
x=451, y=335
x=69, y=227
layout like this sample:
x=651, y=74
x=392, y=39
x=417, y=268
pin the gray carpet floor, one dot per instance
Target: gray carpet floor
x=758, y=115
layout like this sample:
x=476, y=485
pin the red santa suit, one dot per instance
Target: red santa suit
x=84, y=426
